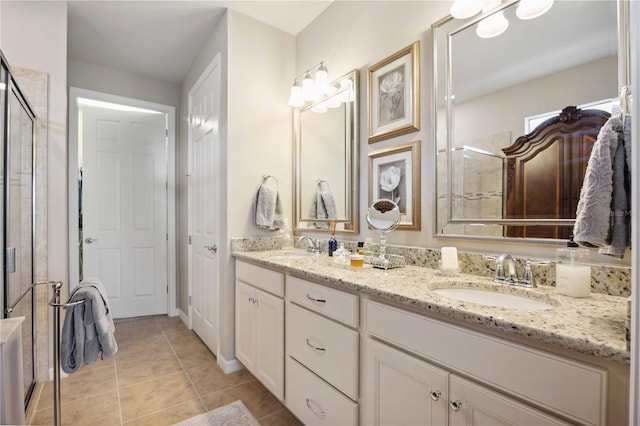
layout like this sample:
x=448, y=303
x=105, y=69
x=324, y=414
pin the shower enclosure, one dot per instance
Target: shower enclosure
x=17, y=188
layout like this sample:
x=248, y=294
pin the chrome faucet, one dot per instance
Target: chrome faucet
x=313, y=245
x=506, y=272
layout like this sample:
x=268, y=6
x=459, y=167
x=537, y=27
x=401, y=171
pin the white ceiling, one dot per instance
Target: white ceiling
x=160, y=39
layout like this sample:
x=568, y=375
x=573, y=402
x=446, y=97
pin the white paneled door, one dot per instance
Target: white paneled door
x=124, y=208
x=204, y=204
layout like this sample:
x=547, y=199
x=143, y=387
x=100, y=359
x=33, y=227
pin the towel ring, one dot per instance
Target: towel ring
x=266, y=177
x=319, y=183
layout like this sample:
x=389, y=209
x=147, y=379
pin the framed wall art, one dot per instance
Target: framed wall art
x=394, y=94
x=394, y=174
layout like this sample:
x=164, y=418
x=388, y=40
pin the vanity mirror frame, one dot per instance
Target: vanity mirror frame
x=347, y=220
x=442, y=69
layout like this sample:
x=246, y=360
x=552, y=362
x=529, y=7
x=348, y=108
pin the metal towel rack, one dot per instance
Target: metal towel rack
x=55, y=303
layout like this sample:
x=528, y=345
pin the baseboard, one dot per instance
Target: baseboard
x=230, y=366
x=184, y=317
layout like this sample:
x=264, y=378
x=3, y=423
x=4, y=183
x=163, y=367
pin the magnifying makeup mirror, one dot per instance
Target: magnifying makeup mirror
x=383, y=215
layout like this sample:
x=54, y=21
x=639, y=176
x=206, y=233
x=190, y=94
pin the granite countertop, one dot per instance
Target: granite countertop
x=594, y=325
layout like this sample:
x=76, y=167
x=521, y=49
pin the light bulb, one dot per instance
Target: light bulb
x=462, y=9
x=530, y=9
x=296, y=100
x=308, y=88
x=492, y=26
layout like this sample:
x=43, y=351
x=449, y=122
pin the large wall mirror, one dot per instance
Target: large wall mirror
x=326, y=160
x=490, y=94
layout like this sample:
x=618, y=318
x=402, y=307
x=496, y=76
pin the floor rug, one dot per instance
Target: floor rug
x=234, y=414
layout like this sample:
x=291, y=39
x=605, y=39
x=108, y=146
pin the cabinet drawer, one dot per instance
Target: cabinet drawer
x=313, y=401
x=567, y=387
x=260, y=277
x=333, y=303
x=328, y=349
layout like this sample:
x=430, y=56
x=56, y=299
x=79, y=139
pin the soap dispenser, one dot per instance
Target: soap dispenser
x=333, y=244
x=573, y=273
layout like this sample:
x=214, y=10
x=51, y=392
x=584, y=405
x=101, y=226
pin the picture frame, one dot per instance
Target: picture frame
x=394, y=173
x=394, y=94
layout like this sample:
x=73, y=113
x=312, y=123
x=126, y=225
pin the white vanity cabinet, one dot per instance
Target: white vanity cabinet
x=260, y=324
x=573, y=390
x=322, y=366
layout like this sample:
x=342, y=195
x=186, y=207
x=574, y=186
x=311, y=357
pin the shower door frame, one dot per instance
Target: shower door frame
x=12, y=87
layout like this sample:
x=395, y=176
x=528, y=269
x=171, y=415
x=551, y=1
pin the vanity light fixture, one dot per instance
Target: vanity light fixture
x=530, y=9
x=493, y=25
x=311, y=90
x=496, y=24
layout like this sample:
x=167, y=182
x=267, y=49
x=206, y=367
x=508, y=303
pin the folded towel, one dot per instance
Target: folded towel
x=603, y=212
x=88, y=327
x=268, y=214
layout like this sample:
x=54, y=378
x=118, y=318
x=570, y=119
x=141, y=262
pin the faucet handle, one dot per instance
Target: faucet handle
x=527, y=279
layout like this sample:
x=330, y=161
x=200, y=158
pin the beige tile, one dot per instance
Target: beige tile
x=211, y=378
x=148, y=346
x=170, y=415
x=138, y=369
x=80, y=385
x=136, y=330
x=102, y=409
x=194, y=356
x=155, y=394
x=183, y=342
x=252, y=394
x=280, y=418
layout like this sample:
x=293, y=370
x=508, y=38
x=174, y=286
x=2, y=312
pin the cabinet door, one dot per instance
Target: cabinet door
x=270, y=342
x=401, y=389
x=245, y=328
x=472, y=404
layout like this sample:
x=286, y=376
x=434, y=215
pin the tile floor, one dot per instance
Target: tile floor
x=162, y=374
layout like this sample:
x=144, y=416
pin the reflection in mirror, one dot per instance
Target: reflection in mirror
x=566, y=57
x=383, y=215
x=326, y=155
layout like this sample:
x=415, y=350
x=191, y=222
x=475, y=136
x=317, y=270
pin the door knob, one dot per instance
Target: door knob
x=213, y=248
x=435, y=395
x=90, y=240
x=455, y=405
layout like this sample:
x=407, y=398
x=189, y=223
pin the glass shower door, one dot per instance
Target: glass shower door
x=18, y=208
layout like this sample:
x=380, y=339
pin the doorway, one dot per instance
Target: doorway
x=121, y=188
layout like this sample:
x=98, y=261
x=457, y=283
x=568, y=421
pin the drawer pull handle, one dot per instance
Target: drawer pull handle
x=317, y=348
x=318, y=411
x=435, y=395
x=455, y=405
x=315, y=299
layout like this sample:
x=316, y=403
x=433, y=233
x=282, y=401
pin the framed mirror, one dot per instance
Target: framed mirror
x=489, y=92
x=326, y=160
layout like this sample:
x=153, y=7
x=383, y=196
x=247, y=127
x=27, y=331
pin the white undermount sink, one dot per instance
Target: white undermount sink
x=493, y=298
x=290, y=255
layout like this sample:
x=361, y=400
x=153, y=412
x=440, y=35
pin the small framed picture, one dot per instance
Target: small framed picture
x=394, y=174
x=394, y=94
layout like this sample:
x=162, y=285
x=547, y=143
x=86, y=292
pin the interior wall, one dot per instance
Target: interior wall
x=89, y=76
x=358, y=34
x=259, y=139
x=34, y=36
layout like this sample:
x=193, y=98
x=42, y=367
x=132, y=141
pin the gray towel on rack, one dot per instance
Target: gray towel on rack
x=88, y=327
x=323, y=207
x=603, y=212
x=268, y=213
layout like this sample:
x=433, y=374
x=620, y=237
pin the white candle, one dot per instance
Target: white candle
x=574, y=281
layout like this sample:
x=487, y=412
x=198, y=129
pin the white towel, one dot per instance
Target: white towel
x=603, y=212
x=268, y=213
